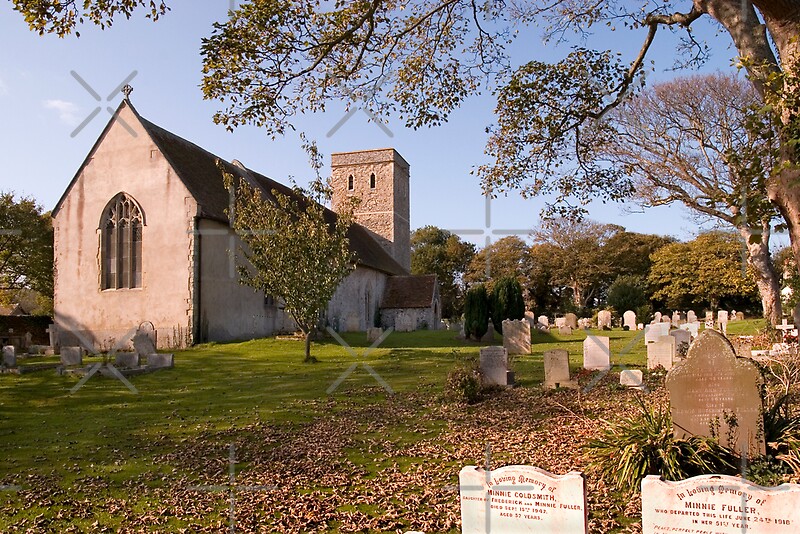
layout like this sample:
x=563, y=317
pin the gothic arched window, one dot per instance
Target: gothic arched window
x=121, y=244
x=350, y=182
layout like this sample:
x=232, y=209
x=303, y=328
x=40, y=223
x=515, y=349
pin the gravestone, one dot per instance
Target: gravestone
x=564, y=330
x=126, y=359
x=711, y=386
x=722, y=320
x=709, y=319
x=739, y=316
x=676, y=319
x=561, y=321
x=681, y=336
x=143, y=343
x=629, y=319
x=604, y=319
x=147, y=328
x=10, y=356
x=522, y=498
x=718, y=504
x=556, y=369
x=666, y=319
x=654, y=332
x=488, y=337
x=692, y=328
x=52, y=331
x=71, y=356
x=661, y=353
x=157, y=361
x=571, y=320
x=531, y=318
x=632, y=378
x=596, y=353
x=584, y=323
x=691, y=317
x=494, y=366
x=733, y=316
x=517, y=336
x=657, y=317
x=743, y=346
x=544, y=321
x=373, y=334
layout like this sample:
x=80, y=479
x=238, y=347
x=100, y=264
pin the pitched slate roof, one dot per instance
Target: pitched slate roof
x=197, y=169
x=409, y=291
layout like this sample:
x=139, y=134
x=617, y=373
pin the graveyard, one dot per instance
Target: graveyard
x=247, y=429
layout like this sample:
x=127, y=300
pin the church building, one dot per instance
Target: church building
x=142, y=237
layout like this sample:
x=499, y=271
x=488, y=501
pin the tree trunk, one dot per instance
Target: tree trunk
x=759, y=259
x=309, y=358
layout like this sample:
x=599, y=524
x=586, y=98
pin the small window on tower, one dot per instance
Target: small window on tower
x=350, y=182
x=372, y=181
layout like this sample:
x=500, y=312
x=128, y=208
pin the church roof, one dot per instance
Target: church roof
x=197, y=169
x=415, y=291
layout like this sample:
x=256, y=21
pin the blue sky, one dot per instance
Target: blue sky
x=42, y=104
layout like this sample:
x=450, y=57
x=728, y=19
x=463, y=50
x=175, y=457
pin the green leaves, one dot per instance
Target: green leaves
x=62, y=16
x=26, y=246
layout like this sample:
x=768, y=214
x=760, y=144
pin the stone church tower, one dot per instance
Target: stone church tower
x=380, y=178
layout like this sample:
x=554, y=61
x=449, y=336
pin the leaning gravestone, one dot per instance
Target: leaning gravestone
x=517, y=336
x=604, y=319
x=596, y=353
x=629, y=319
x=661, y=353
x=520, y=499
x=571, y=320
x=718, y=504
x=10, y=356
x=556, y=369
x=710, y=388
x=71, y=356
x=632, y=378
x=494, y=366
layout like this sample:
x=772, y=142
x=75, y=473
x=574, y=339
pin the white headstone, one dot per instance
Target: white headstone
x=733, y=315
x=722, y=319
x=653, y=332
x=604, y=319
x=691, y=317
x=571, y=320
x=494, y=366
x=676, y=319
x=561, y=321
x=543, y=320
x=661, y=352
x=596, y=353
x=9, y=356
x=517, y=336
x=692, y=328
x=718, y=504
x=629, y=319
x=657, y=317
x=520, y=499
x=556, y=369
x=632, y=378
x=531, y=318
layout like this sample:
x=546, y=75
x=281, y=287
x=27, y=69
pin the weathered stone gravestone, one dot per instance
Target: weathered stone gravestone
x=517, y=336
x=520, y=499
x=373, y=334
x=571, y=320
x=722, y=320
x=681, y=336
x=157, y=361
x=561, y=321
x=596, y=353
x=564, y=330
x=629, y=319
x=584, y=323
x=544, y=321
x=143, y=344
x=556, y=369
x=739, y=316
x=531, y=318
x=691, y=317
x=666, y=319
x=632, y=378
x=743, y=346
x=718, y=504
x=661, y=353
x=657, y=317
x=52, y=331
x=710, y=388
x=494, y=366
x=488, y=337
x=10, y=356
x=604, y=319
x=676, y=319
x=71, y=356
x=127, y=359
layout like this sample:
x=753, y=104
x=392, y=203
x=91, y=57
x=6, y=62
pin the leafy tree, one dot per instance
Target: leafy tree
x=26, y=249
x=700, y=141
x=507, y=302
x=704, y=271
x=504, y=258
x=629, y=253
x=476, y=311
x=543, y=294
x=293, y=248
x=627, y=292
x=443, y=253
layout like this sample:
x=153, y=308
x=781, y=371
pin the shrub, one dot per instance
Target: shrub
x=642, y=444
x=627, y=292
x=507, y=302
x=476, y=312
x=464, y=382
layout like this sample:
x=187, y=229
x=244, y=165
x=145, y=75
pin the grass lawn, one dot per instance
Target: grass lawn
x=358, y=459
